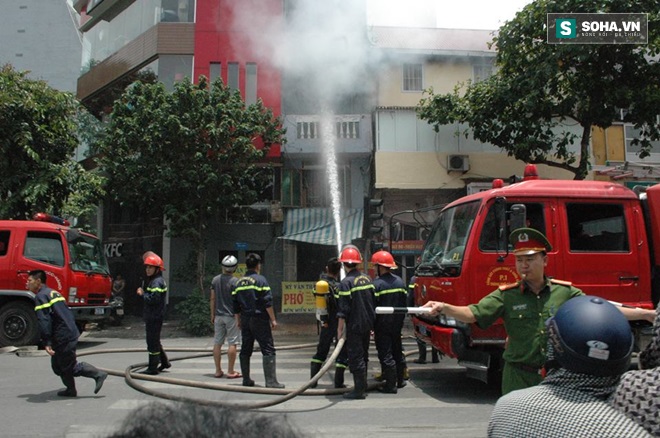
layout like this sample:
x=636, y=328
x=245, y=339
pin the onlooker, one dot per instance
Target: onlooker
x=154, y=295
x=329, y=329
x=638, y=393
x=524, y=306
x=253, y=303
x=224, y=321
x=59, y=335
x=118, y=286
x=592, y=344
x=187, y=420
x=356, y=317
x=389, y=290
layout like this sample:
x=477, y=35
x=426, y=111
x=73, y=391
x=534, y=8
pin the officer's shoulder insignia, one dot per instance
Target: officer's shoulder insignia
x=562, y=282
x=510, y=286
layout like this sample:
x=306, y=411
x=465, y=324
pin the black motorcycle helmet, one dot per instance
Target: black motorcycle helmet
x=590, y=335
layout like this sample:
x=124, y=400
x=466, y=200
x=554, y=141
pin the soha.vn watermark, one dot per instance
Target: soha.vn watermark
x=619, y=28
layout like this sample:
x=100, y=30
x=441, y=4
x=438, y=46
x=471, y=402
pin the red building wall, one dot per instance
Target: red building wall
x=230, y=31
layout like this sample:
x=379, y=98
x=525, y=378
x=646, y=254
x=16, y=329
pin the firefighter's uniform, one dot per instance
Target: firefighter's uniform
x=154, y=312
x=356, y=307
x=390, y=290
x=57, y=327
x=328, y=334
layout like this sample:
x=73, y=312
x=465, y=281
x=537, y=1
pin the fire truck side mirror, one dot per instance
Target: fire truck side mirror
x=518, y=216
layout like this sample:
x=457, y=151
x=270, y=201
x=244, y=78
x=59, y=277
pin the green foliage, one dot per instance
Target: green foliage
x=38, y=139
x=187, y=153
x=194, y=311
x=542, y=92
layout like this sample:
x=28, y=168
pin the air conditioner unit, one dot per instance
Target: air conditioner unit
x=458, y=163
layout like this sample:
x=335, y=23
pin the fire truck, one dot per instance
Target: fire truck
x=605, y=239
x=75, y=266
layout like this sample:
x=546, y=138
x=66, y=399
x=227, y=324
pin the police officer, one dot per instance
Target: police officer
x=356, y=318
x=59, y=335
x=154, y=295
x=389, y=290
x=524, y=307
x=253, y=302
x=329, y=329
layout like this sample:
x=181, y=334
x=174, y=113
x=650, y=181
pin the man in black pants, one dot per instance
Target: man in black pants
x=59, y=335
x=329, y=329
x=356, y=316
x=253, y=302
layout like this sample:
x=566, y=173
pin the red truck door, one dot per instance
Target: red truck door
x=605, y=251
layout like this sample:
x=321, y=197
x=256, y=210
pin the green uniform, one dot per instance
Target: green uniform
x=524, y=314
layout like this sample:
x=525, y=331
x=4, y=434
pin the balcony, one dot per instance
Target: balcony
x=350, y=134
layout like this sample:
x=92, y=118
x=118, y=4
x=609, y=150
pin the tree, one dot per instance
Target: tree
x=38, y=139
x=187, y=154
x=539, y=90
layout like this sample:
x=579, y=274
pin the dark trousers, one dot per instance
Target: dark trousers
x=357, y=346
x=256, y=328
x=64, y=362
x=326, y=339
x=388, y=344
x=153, y=328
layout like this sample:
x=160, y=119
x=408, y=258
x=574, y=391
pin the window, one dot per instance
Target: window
x=596, y=228
x=44, y=247
x=215, y=70
x=232, y=75
x=488, y=238
x=310, y=187
x=250, y=83
x=412, y=77
x=4, y=242
x=632, y=151
x=291, y=179
x=481, y=72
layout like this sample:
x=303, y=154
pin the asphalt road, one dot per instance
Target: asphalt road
x=439, y=401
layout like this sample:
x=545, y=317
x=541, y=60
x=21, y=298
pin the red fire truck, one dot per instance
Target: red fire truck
x=605, y=239
x=75, y=266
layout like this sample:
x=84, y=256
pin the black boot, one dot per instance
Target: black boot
x=70, y=384
x=164, y=362
x=92, y=372
x=421, y=347
x=152, y=370
x=269, y=373
x=434, y=355
x=359, y=386
x=314, y=368
x=401, y=375
x=389, y=374
x=339, y=377
x=245, y=370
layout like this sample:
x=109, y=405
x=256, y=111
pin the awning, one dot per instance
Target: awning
x=317, y=225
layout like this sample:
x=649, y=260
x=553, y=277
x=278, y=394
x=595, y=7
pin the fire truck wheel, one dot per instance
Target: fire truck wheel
x=18, y=324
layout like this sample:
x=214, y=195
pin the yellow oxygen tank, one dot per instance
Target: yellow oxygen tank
x=321, y=291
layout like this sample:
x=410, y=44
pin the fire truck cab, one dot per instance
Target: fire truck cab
x=75, y=266
x=604, y=240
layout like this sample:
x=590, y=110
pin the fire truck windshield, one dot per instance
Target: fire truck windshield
x=446, y=243
x=87, y=254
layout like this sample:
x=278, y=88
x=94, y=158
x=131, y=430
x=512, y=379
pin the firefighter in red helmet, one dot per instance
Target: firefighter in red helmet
x=154, y=295
x=389, y=290
x=356, y=318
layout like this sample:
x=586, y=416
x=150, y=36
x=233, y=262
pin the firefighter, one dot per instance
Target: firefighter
x=389, y=290
x=253, y=302
x=329, y=328
x=356, y=318
x=59, y=334
x=154, y=295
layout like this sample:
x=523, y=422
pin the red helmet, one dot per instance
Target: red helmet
x=383, y=258
x=151, y=259
x=350, y=254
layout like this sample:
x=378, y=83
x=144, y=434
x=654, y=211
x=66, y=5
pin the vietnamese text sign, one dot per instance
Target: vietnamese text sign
x=297, y=297
x=615, y=28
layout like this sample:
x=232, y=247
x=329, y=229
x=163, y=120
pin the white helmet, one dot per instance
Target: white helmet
x=229, y=261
